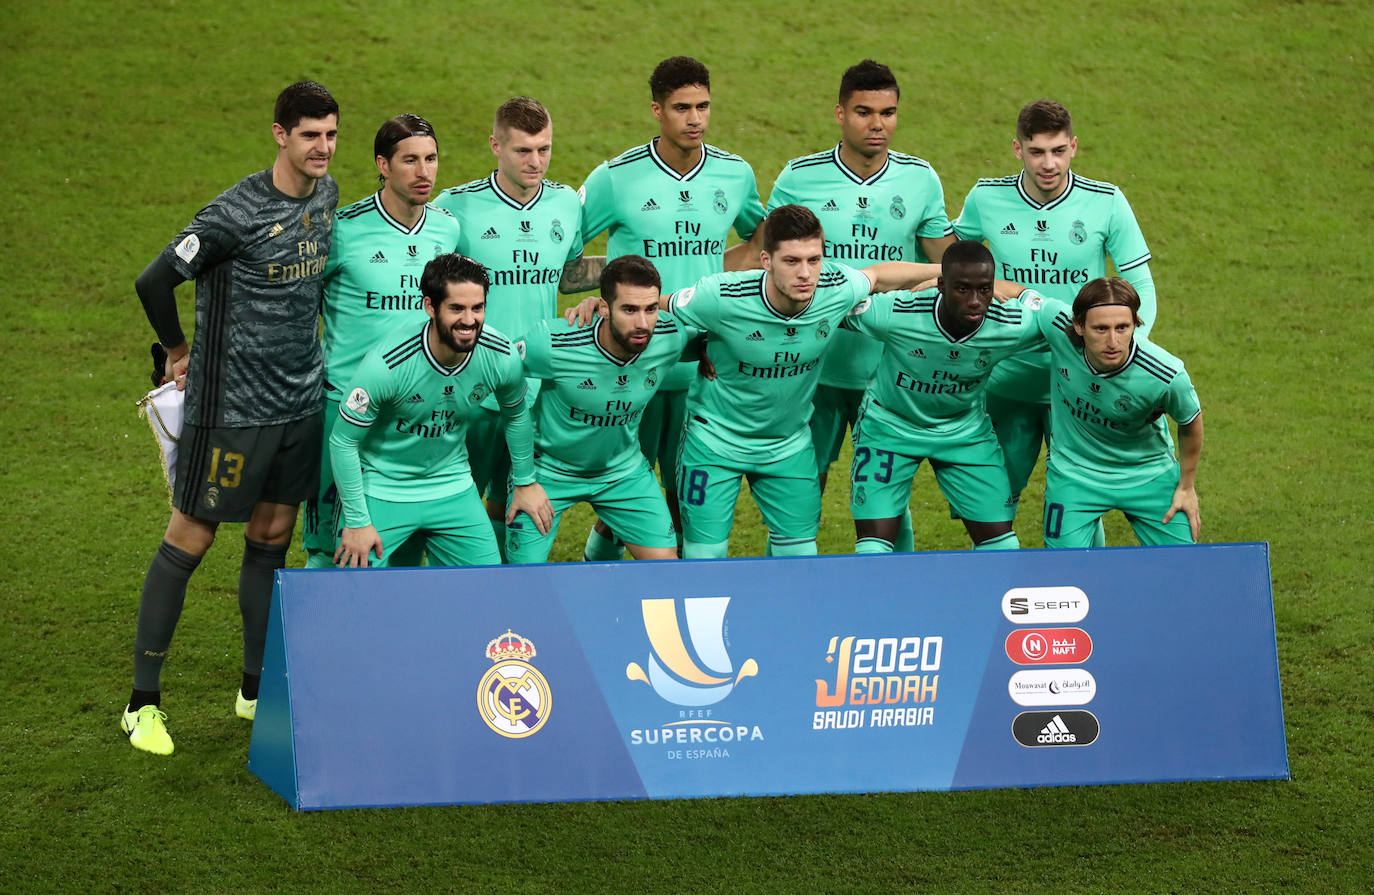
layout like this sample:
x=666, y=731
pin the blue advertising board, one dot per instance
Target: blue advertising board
x=927, y=671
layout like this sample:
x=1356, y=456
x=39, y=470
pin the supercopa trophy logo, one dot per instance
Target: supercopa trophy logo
x=513, y=698
x=694, y=670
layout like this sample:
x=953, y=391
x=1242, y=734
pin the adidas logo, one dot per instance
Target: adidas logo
x=416, y=398
x=651, y=205
x=754, y=336
x=587, y=383
x=1056, y=732
x=916, y=352
x=1009, y=230
x=276, y=230
x=830, y=206
x=378, y=258
x=491, y=234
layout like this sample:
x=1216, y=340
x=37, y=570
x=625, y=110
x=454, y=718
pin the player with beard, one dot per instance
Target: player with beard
x=597, y=382
x=399, y=451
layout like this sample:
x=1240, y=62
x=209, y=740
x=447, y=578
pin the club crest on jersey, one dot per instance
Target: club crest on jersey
x=1123, y=404
x=479, y=392
x=513, y=698
x=556, y=230
x=823, y=330
x=982, y=360
x=651, y=378
x=860, y=496
x=897, y=209
x=693, y=670
x=1078, y=234
x=719, y=202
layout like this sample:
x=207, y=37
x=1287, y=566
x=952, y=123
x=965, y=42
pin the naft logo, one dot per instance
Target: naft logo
x=693, y=670
x=1040, y=605
x=1049, y=646
x=1043, y=686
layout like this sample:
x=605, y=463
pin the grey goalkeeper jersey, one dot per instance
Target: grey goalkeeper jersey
x=256, y=255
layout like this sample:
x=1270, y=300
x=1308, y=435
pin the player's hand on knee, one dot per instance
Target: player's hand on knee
x=533, y=502
x=355, y=544
x=1185, y=499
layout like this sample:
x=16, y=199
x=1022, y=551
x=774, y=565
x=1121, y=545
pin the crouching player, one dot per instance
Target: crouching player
x=597, y=382
x=926, y=400
x=1111, y=447
x=400, y=463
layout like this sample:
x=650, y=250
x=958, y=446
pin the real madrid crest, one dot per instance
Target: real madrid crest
x=513, y=698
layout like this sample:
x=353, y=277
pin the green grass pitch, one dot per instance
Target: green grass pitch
x=1239, y=131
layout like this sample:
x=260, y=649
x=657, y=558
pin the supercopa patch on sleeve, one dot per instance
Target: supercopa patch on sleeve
x=358, y=401
x=188, y=248
x=682, y=296
x=861, y=307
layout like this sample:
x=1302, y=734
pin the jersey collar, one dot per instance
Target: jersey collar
x=596, y=340
x=862, y=181
x=768, y=306
x=935, y=312
x=668, y=169
x=386, y=216
x=1108, y=374
x=434, y=361
x=1056, y=201
x=510, y=200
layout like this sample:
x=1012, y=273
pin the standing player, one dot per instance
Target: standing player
x=400, y=453
x=372, y=284
x=767, y=332
x=525, y=230
x=672, y=200
x=251, y=444
x=1111, y=447
x=597, y=383
x=1051, y=230
x=926, y=401
x=875, y=205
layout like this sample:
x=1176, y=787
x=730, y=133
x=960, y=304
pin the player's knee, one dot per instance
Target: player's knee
x=699, y=550
x=791, y=546
x=1007, y=541
x=189, y=534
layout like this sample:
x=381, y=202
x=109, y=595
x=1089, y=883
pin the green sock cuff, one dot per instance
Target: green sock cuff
x=1007, y=541
x=906, y=538
x=600, y=548
x=872, y=545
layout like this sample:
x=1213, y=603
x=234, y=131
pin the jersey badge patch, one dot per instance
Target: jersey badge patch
x=861, y=308
x=556, y=231
x=1078, y=234
x=520, y=347
x=358, y=401
x=188, y=248
x=719, y=202
x=897, y=209
x=822, y=330
x=683, y=296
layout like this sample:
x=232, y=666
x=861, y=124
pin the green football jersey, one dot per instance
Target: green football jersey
x=256, y=255
x=767, y=363
x=372, y=280
x=866, y=220
x=402, y=433
x=522, y=245
x=587, y=414
x=1109, y=427
x=1056, y=248
x=680, y=222
x=928, y=378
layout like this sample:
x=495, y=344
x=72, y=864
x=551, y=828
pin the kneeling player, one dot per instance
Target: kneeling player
x=926, y=400
x=401, y=463
x=1111, y=447
x=597, y=383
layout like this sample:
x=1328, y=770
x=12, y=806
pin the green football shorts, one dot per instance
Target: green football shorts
x=970, y=474
x=785, y=488
x=454, y=530
x=833, y=411
x=1074, y=504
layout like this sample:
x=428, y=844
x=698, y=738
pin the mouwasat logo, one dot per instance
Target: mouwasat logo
x=688, y=667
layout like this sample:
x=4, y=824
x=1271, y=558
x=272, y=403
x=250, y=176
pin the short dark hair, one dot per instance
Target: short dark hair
x=1102, y=292
x=451, y=268
x=790, y=222
x=867, y=75
x=628, y=270
x=523, y=114
x=303, y=99
x=1044, y=116
x=402, y=127
x=966, y=251
x=677, y=72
